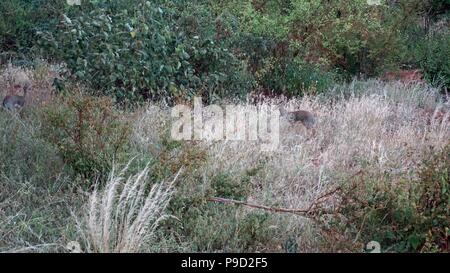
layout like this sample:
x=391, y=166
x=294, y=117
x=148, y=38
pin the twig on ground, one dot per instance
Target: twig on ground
x=303, y=212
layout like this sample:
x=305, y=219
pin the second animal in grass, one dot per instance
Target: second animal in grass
x=21, y=83
x=306, y=118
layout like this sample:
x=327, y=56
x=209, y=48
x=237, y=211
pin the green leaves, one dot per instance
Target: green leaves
x=138, y=54
x=432, y=55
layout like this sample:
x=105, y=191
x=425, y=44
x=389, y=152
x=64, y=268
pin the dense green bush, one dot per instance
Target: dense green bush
x=295, y=77
x=149, y=51
x=88, y=132
x=351, y=35
x=136, y=50
x=20, y=20
x=298, y=44
x=432, y=55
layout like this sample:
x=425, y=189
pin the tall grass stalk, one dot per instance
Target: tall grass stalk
x=123, y=216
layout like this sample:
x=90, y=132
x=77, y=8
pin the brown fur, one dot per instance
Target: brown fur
x=306, y=118
x=404, y=76
x=13, y=102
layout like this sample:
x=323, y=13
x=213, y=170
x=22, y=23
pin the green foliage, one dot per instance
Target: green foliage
x=208, y=226
x=224, y=186
x=294, y=77
x=149, y=51
x=403, y=216
x=173, y=50
x=298, y=45
x=342, y=33
x=34, y=183
x=134, y=50
x=88, y=132
x=21, y=19
x=432, y=55
x=437, y=8
x=24, y=156
x=434, y=203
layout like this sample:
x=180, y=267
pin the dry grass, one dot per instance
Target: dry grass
x=379, y=128
x=123, y=216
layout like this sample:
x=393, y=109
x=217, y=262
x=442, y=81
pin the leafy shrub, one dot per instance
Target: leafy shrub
x=297, y=46
x=89, y=133
x=350, y=35
x=20, y=20
x=295, y=77
x=433, y=54
x=224, y=186
x=434, y=203
x=149, y=51
x=403, y=216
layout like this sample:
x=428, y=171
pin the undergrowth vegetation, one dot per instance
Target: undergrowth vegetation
x=89, y=164
x=376, y=168
x=135, y=50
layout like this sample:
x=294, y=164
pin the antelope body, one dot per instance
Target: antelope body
x=404, y=76
x=13, y=102
x=306, y=118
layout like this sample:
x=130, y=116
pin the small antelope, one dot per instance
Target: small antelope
x=306, y=118
x=404, y=76
x=440, y=114
x=13, y=102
